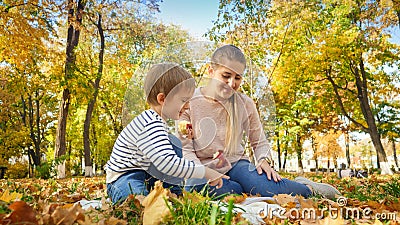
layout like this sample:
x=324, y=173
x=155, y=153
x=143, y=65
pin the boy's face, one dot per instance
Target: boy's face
x=177, y=102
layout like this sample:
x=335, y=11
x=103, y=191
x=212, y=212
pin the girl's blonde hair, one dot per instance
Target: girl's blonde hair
x=231, y=53
x=163, y=77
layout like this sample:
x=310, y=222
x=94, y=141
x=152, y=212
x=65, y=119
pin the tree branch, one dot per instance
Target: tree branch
x=7, y=9
x=339, y=99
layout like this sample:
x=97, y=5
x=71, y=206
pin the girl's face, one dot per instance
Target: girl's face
x=177, y=102
x=226, y=78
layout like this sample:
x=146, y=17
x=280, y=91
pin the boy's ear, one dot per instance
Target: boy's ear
x=161, y=98
x=210, y=70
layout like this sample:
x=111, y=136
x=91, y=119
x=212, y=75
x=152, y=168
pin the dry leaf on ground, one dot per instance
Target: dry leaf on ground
x=155, y=205
x=21, y=213
x=284, y=199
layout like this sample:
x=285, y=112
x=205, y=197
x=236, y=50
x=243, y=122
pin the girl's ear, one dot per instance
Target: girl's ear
x=161, y=98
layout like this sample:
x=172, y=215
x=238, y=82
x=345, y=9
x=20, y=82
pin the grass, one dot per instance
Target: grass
x=198, y=208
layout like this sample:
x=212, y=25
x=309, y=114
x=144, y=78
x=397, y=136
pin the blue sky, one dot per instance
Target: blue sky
x=196, y=16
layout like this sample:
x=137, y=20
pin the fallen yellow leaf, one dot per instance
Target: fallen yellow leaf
x=284, y=199
x=9, y=197
x=331, y=221
x=115, y=221
x=155, y=205
x=307, y=203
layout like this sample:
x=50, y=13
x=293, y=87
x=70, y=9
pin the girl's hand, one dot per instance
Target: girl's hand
x=263, y=165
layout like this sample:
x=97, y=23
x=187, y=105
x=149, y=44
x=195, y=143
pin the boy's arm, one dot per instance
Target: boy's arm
x=156, y=146
x=188, y=150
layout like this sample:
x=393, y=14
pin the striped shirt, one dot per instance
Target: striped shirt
x=144, y=141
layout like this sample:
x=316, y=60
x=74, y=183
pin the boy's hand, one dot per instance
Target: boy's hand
x=186, y=129
x=215, y=178
x=218, y=182
x=190, y=134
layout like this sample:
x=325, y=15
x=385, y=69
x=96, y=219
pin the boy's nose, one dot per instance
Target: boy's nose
x=186, y=106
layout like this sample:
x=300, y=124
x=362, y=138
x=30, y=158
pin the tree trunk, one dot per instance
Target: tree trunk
x=335, y=162
x=34, y=127
x=394, y=153
x=377, y=160
x=61, y=131
x=315, y=155
x=117, y=127
x=347, y=143
x=278, y=147
x=328, y=167
x=371, y=160
x=299, y=154
x=284, y=159
x=396, y=7
x=38, y=159
x=398, y=17
x=92, y=102
x=72, y=42
x=27, y=116
x=86, y=139
x=362, y=89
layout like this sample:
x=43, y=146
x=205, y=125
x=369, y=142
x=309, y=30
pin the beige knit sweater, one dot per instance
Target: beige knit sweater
x=209, y=121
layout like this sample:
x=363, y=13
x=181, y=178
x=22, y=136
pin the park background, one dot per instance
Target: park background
x=65, y=67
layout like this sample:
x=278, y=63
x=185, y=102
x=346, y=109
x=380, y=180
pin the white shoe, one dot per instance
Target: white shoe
x=326, y=190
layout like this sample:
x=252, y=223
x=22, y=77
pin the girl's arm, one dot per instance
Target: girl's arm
x=259, y=143
x=255, y=132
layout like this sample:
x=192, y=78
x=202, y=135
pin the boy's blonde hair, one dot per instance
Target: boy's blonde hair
x=163, y=77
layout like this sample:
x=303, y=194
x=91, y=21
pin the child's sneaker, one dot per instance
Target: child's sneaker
x=326, y=190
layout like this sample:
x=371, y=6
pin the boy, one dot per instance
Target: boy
x=144, y=151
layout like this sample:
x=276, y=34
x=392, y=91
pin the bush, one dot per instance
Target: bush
x=48, y=169
x=17, y=170
x=44, y=171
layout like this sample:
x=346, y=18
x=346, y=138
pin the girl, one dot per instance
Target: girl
x=220, y=116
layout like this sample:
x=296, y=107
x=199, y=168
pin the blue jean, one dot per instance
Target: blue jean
x=139, y=182
x=244, y=178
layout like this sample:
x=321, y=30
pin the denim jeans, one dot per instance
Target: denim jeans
x=244, y=178
x=140, y=182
